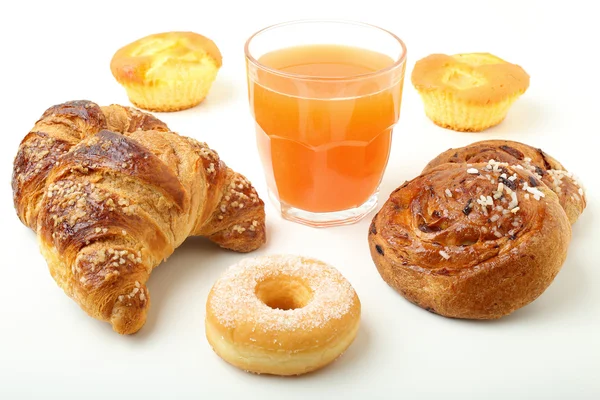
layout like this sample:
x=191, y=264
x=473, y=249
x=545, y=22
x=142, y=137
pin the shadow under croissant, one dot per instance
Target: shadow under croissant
x=196, y=260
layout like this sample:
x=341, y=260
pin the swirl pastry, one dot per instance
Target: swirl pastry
x=476, y=241
x=568, y=189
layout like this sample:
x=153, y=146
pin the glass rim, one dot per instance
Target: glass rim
x=274, y=71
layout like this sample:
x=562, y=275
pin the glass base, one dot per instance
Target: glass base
x=326, y=219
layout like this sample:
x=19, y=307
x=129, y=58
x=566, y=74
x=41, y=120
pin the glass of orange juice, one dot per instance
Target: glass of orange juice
x=325, y=96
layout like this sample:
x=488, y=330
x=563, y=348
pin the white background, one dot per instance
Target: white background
x=56, y=51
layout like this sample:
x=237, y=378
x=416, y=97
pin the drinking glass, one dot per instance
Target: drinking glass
x=325, y=96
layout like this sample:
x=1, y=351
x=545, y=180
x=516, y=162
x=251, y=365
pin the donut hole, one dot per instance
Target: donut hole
x=284, y=293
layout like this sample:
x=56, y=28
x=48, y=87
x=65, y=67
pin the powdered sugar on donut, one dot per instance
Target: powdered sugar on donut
x=233, y=298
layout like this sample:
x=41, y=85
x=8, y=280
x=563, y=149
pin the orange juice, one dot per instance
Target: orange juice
x=324, y=119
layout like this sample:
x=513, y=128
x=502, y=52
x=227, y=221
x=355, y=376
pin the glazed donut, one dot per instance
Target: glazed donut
x=281, y=315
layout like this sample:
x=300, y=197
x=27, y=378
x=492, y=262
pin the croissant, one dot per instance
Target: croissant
x=569, y=190
x=111, y=192
x=476, y=242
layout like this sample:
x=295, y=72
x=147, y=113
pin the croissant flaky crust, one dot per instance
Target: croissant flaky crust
x=566, y=186
x=111, y=192
x=471, y=241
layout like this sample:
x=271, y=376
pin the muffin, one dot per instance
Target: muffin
x=468, y=92
x=167, y=71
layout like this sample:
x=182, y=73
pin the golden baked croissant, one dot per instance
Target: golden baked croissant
x=111, y=192
x=476, y=241
x=569, y=191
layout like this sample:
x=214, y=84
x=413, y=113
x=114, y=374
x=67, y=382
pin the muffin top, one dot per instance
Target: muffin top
x=479, y=78
x=164, y=56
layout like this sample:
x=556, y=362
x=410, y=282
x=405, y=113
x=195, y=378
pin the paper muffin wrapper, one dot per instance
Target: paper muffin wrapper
x=448, y=112
x=171, y=95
